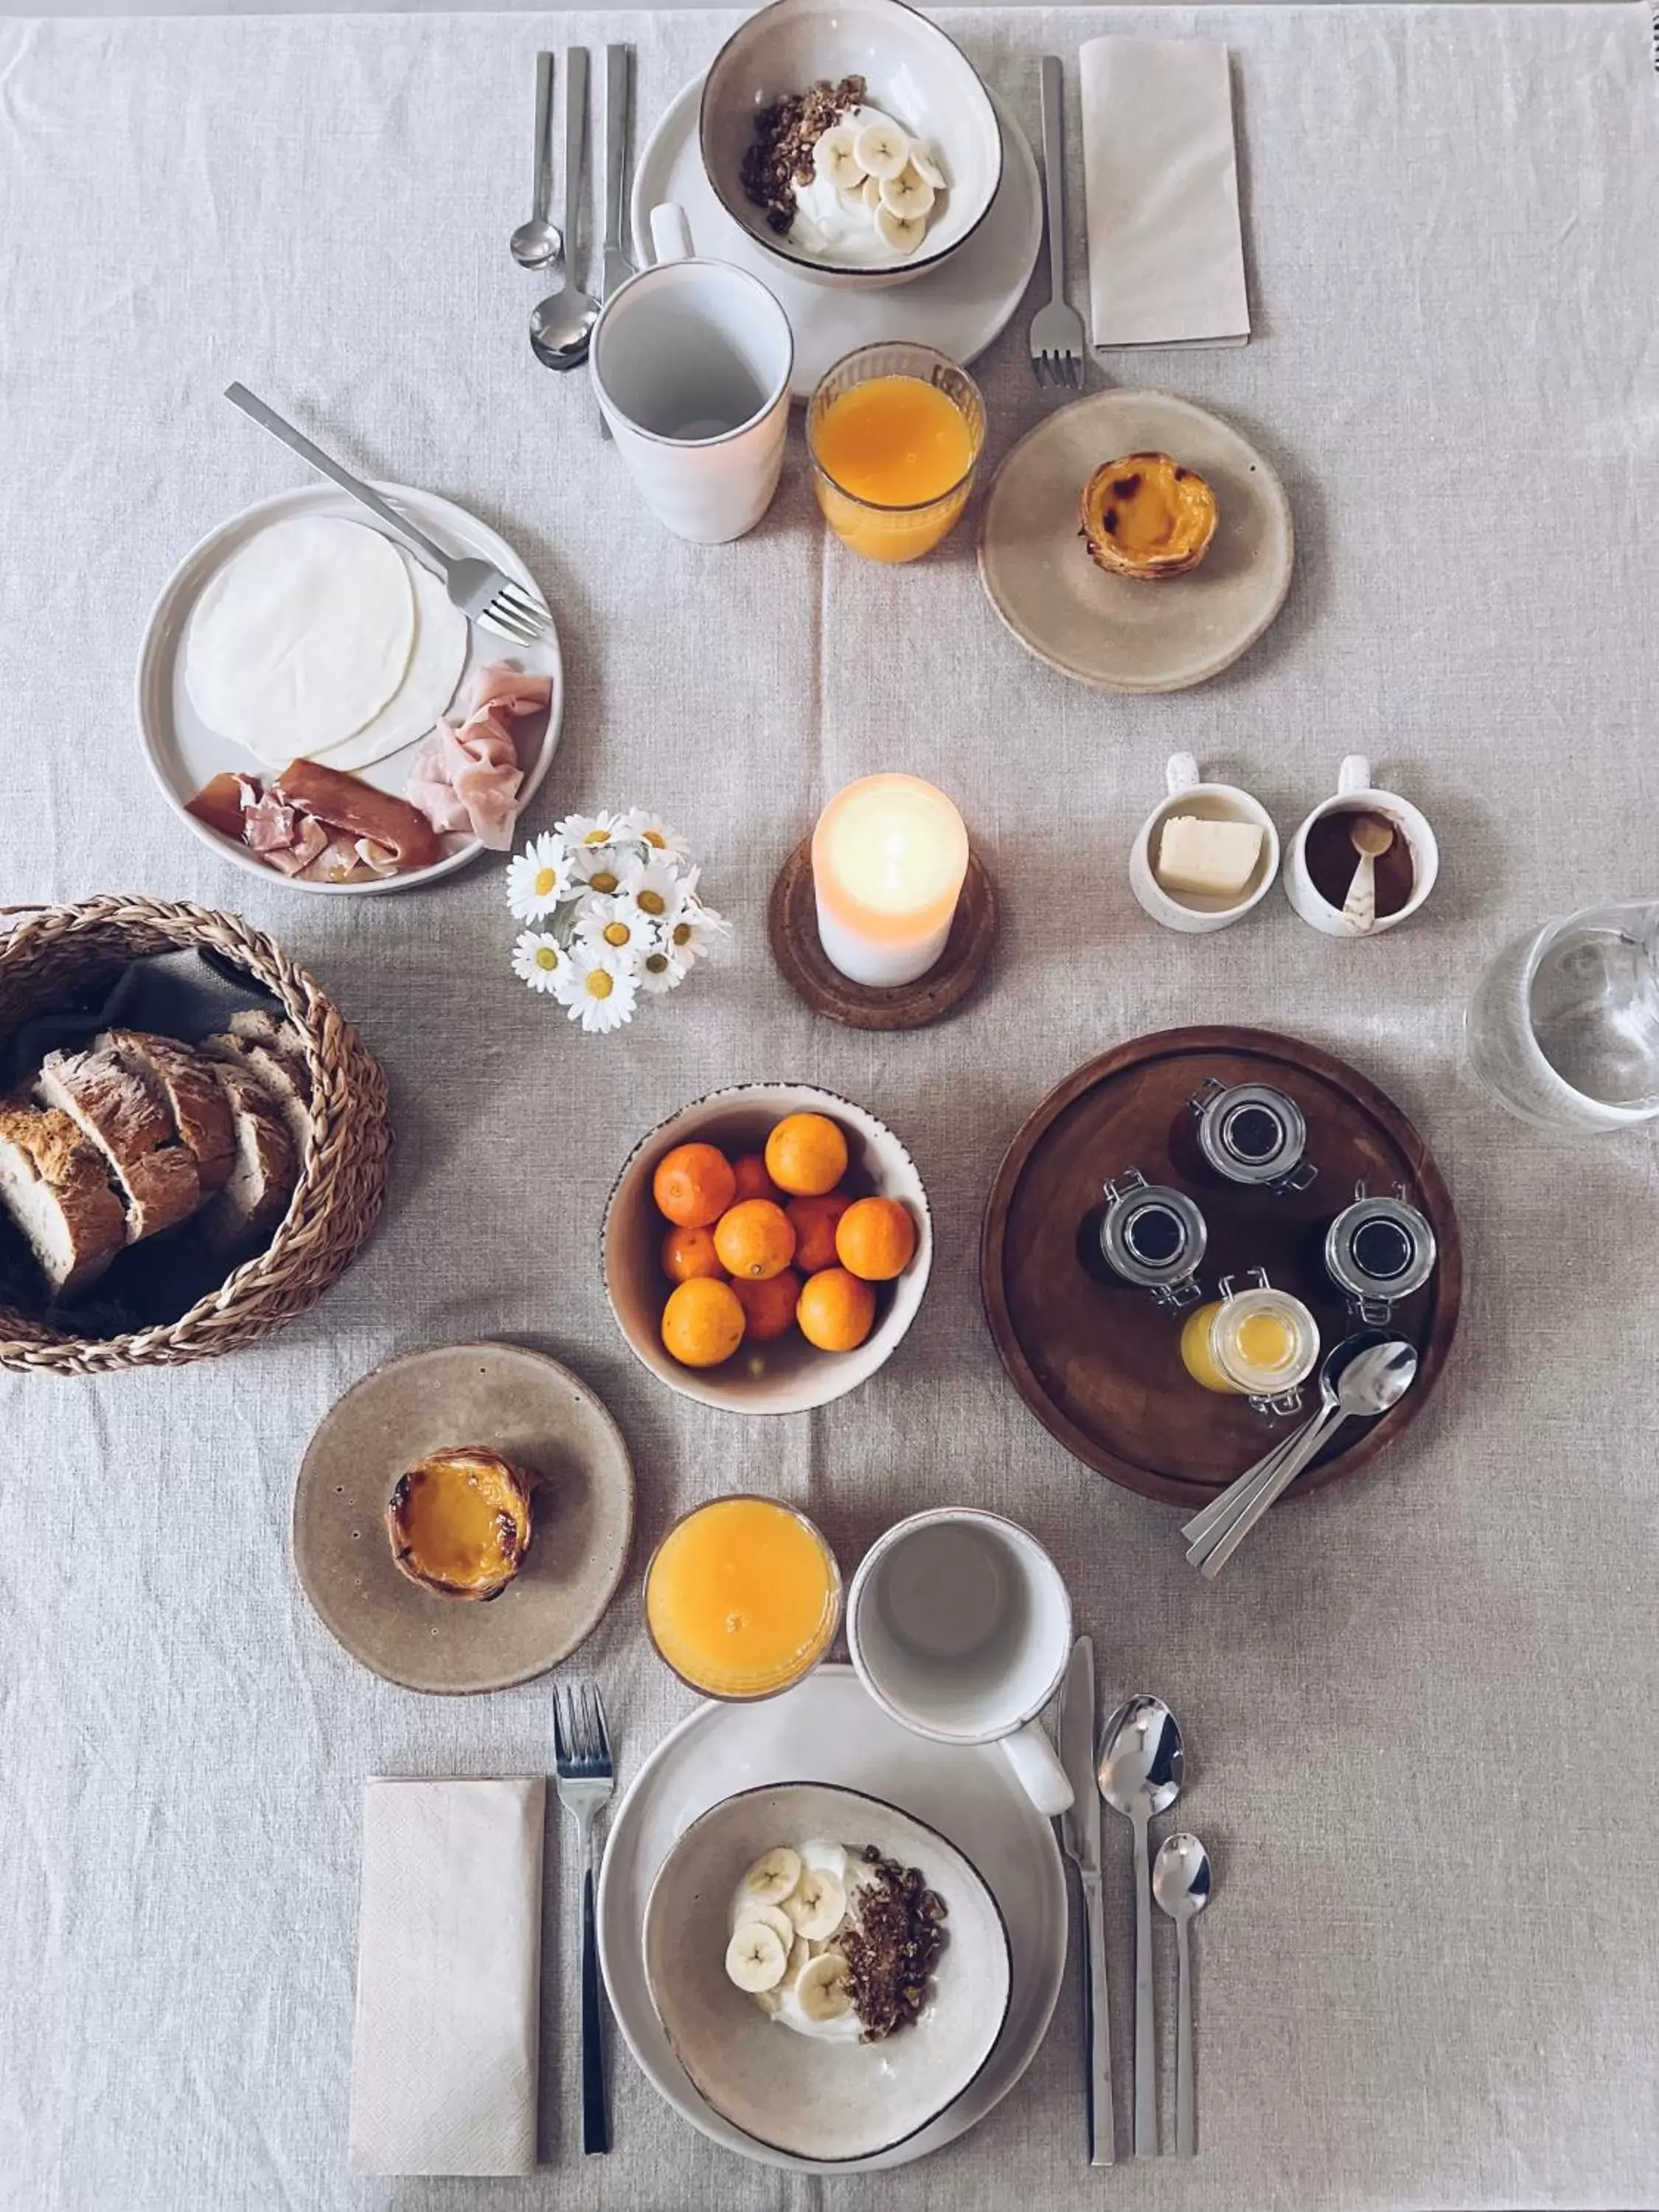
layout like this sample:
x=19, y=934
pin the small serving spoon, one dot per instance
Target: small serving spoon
x=1181, y=1883
x=537, y=242
x=562, y=325
x=1142, y=1762
x=1370, y=837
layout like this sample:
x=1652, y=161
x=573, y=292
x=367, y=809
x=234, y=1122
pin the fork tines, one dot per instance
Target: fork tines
x=1061, y=370
x=515, y=615
x=581, y=1741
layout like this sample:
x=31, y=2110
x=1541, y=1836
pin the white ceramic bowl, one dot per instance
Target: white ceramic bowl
x=815, y=2099
x=912, y=71
x=793, y=1376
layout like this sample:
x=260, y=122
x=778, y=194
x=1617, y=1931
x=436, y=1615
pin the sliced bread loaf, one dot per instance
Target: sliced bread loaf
x=176, y=1077
x=56, y=1187
x=254, y=1196
x=276, y=1065
x=153, y=1171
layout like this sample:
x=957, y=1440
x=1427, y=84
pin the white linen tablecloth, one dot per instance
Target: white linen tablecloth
x=1419, y=1708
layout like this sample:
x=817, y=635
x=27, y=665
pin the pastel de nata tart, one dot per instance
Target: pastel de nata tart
x=460, y=1521
x=1146, y=515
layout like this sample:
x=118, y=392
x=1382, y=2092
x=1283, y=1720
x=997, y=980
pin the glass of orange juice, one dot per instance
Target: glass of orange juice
x=742, y=1597
x=894, y=432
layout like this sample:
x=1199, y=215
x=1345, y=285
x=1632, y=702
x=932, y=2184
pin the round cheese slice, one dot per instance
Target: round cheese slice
x=301, y=637
x=443, y=634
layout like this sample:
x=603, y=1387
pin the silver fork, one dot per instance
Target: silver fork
x=586, y=1779
x=478, y=587
x=1057, y=333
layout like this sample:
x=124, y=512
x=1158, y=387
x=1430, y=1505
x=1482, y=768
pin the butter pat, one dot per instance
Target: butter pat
x=1212, y=860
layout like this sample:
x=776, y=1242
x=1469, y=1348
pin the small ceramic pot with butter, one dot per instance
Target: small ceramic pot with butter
x=1206, y=856
x=1321, y=858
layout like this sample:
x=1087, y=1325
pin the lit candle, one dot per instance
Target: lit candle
x=889, y=856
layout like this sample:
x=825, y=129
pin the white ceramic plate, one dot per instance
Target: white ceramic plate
x=184, y=753
x=960, y=307
x=1118, y=633
x=829, y=1724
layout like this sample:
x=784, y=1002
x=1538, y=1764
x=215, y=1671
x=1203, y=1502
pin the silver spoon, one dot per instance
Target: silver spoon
x=563, y=324
x=538, y=241
x=1141, y=1764
x=1371, y=1382
x=1181, y=1883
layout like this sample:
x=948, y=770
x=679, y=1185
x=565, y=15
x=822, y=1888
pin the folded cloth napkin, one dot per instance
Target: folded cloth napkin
x=1160, y=184
x=444, y=2053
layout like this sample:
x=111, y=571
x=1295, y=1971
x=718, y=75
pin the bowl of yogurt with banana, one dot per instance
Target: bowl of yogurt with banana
x=831, y=1972
x=856, y=142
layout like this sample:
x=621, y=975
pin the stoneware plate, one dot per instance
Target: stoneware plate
x=787, y=1375
x=961, y=306
x=968, y=1795
x=827, y=2101
x=1118, y=633
x=534, y=1412
x=183, y=752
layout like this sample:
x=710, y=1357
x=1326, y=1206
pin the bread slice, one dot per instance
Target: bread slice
x=56, y=1187
x=254, y=1196
x=270, y=1057
x=175, y=1076
x=154, y=1172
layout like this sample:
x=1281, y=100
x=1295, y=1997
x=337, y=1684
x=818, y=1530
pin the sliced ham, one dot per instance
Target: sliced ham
x=469, y=779
x=219, y=802
x=344, y=802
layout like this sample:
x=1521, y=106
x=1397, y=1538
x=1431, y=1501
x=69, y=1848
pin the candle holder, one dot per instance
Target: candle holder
x=793, y=924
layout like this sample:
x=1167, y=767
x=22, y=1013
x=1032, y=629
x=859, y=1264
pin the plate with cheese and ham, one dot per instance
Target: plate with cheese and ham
x=313, y=706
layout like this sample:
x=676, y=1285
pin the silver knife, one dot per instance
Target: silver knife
x=616, y=265
x=1079, y=1835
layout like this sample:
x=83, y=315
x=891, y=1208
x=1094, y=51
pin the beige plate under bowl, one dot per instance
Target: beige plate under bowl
x=1118, y=633
x=824, y=2101
x=534, y=1412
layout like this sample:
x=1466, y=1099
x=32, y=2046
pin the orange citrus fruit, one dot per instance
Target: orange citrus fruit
x=702, y=1322
x=806, y=1155
x=768, y=1307
x=752, y=1180
x=687, y=1253
x=875, y=1239
x=836, y=1310
x=755, y=1239
x=693, y=1185
x=815, y=1221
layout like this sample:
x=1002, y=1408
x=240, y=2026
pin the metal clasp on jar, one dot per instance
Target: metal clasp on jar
x=1153, y=1236
x=1377, y=1252
x=1252, y=1135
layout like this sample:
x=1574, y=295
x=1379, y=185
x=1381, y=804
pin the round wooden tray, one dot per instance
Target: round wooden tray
x=792, y=923
x=1098, y=1363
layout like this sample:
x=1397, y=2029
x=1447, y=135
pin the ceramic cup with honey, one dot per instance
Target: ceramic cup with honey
x=1321, y=858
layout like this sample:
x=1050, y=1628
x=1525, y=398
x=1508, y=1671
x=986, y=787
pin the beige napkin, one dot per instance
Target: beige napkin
x=444, y=2053
x=1160, y=184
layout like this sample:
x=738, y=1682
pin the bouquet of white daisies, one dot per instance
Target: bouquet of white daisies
x=610, y=907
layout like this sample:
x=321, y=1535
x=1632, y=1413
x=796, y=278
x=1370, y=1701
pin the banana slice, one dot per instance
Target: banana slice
x=824, y=1989
x=800, y=1957
x=881, y=149
x=768, y=1917
x=902, y=233
x=869, y=193
x=769, y=2001
x=925, y=163
x=755, y=1960
x=834, y=156
x=774, y=1873
x=817, y=1906
x=909, y=194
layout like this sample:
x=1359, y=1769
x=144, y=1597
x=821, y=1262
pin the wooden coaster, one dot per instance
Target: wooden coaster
x=792, y=923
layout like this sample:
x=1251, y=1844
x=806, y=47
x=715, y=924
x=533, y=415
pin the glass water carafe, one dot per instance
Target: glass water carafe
x=1564, y=1026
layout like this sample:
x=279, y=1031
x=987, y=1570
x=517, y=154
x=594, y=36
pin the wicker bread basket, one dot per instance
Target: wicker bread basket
x=48, y=954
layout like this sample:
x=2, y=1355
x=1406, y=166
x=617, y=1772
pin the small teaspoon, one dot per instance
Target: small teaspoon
x=536, y=243
x=1181, y=1883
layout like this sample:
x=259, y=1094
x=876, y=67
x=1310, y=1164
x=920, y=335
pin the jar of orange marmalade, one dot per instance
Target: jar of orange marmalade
x=1256, y=1342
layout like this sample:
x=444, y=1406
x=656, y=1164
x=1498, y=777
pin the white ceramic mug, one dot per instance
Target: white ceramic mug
x=960, y=1626
x=691, y=361
x=1194, y=912
x=1356, y=794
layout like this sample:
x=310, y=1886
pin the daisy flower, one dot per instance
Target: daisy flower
x=538, y=878
x=597, y=868
x=690, y=936
x=601, y=828
x=618, y=924
x=661, y=971
x=595, y=988
x=653, y=889
x=539, y=961
x=650, y=829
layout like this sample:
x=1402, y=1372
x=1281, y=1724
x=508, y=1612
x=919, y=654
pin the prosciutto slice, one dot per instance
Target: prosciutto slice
x=344, y=802
x=468, y=778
